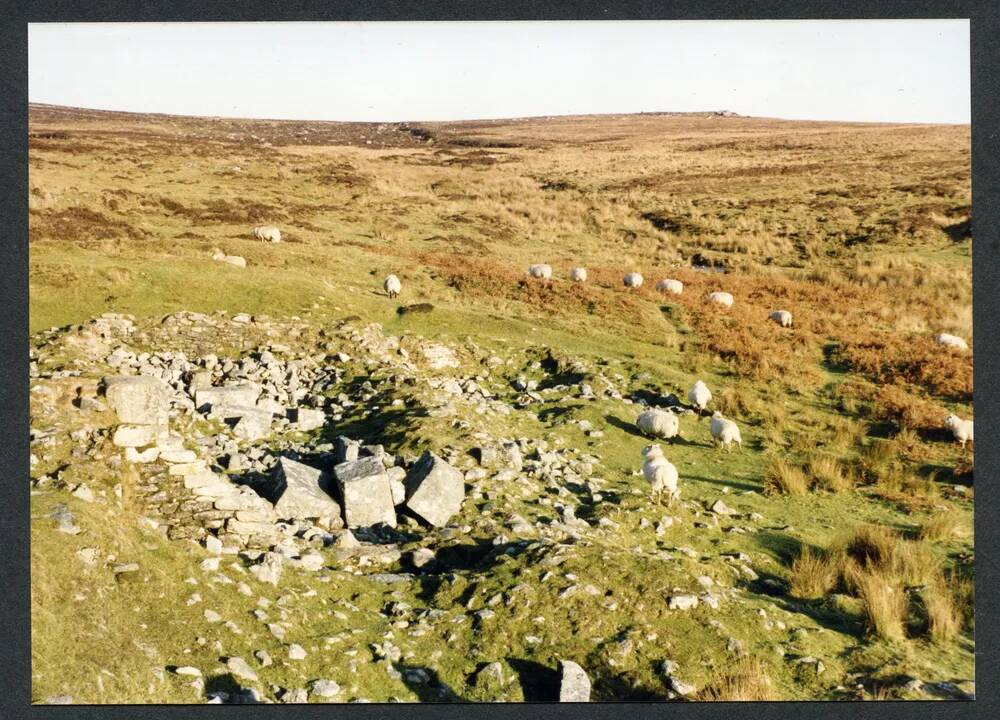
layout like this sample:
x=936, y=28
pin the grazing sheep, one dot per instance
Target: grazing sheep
x=961, y=429
x=725, y=431
x=267, y=232
x=659, y=423
x=542, y=272
x=660, y=474
x=951, y=341
x=721, y=298
x=578, y=274
x=632, y=280
x=782, y=317
x=674, y=287
x=392, y=286
x=700, y=396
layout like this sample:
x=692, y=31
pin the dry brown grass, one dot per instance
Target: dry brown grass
x=785, y=479
x=747, y=680
x=941, y=526
x=813, y=575
x=872, y=546
x=826, y=472
x=889, y=359
x=884, y=603
x=943, y=618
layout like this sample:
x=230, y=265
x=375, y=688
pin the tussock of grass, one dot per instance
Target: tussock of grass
x=884, y=604
x=943, y=618
x=872, y=546
x=827, y=473
x=941, y=526
x=745, y=681
x=813, y=575
x=785, y=479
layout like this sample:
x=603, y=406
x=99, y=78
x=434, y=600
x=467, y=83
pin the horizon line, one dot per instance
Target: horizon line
x=709, y=113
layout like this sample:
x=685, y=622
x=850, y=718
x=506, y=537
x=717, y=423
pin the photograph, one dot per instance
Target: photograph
x=500, y=361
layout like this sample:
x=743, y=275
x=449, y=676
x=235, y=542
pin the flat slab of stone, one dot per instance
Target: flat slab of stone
x=244, y=395
x=434, y=489
x=300, y=492
x=139, y=399
x=307, y=419
x=361, y=467
x=134, y=436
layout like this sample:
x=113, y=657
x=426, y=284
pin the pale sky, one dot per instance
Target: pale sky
x=867, y=70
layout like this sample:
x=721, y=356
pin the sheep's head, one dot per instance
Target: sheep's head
x=652, y=451
x=951, y=421
x=717, y=415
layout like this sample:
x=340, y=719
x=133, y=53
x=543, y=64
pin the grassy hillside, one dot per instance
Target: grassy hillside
x=860, y=230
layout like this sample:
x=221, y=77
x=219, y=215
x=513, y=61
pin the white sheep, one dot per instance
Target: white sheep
x=660, y=474
x=658, y=423
x=674, y=287
x=721, y=298
x=578, y=274
x=540, y=271
x=961, y=429
x=725, y=431
x=700, y=396
x=392, y=286
x=952, y=341
x=632, y=280
x=782, y=317
x=267, y=232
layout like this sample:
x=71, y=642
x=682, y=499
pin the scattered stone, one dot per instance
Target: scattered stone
x=296, y=652
x=720, y=508
x=574, y=685
x=422, y=557
x=241, y=668
x=269, y=569
x=324, y=688
x=263, y=658
x=683, y=602
x=65, y=521
x=188, y=670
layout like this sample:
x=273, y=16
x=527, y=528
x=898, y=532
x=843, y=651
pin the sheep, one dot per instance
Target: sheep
x=952, y=341
x=721, y=298
x=267, y=232
x=234, y=260
x=660, y=474
x=700, y=396
x=659, y=423
x=961, y=429
x=782, y=317
x=578, y=274
x=392, y=286
x=725, y=431
x=674, y=287
x=540, y=271
x=632, y=280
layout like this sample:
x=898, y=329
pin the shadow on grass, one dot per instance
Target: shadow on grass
x=427, y=685
x=538, y=682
